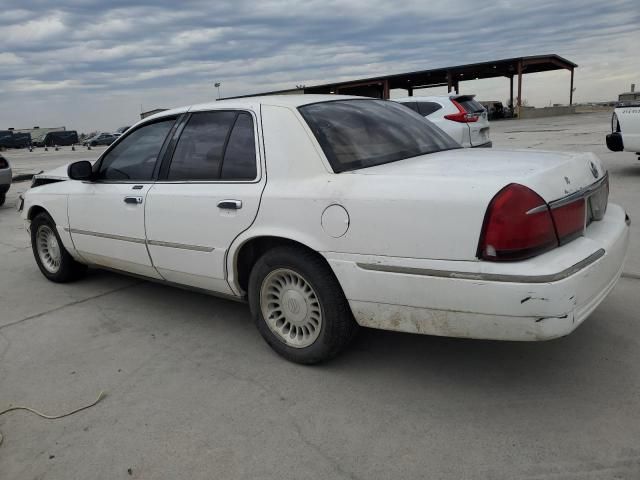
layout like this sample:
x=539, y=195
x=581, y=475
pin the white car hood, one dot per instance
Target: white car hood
x=58, y=173
x=552, y=175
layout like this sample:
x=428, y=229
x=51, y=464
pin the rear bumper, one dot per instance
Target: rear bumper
x=489, y=144
x=538, y=299
x=614, y=142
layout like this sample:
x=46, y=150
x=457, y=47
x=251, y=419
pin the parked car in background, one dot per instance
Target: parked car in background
x=103, y=138
x=11, y=139
x=494, y=108
x=5, y=178
x=370, y=215
x=460, y=116
x=625, y=128
x=60, y=138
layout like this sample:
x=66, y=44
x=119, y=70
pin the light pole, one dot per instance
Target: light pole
x=217, y=85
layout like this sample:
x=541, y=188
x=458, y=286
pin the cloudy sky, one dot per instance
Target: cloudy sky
x=95, y=64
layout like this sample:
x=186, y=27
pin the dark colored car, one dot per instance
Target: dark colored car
x=5, y=179
x=10, y=139
x=100, y=139
x=62, y=138
x=494, y=109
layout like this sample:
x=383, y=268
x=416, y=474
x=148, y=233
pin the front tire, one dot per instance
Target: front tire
x=298, y=305
x=52, y=258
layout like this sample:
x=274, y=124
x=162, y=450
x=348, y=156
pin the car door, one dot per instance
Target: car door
x=106, y=215
x=207, y=194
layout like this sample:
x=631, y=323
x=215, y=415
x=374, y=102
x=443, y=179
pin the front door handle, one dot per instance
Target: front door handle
x=133, y=200
x=230, y=204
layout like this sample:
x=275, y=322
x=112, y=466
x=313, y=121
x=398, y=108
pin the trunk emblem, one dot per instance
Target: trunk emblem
x=594, y=170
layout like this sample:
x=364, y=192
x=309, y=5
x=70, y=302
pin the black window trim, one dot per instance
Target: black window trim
x=96, y=166
x=168, y=156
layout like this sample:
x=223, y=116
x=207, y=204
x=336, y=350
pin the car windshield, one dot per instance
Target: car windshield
x=363, y=133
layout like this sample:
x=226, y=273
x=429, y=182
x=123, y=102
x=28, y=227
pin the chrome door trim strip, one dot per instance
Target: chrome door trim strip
x=158, y=243
x=108, y=235
x=183, y=246
x=490, y=277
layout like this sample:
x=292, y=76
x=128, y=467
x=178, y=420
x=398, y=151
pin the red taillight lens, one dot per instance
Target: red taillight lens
x=3, y=162
x=570, y=220
x=462, y=116
x=517, y=225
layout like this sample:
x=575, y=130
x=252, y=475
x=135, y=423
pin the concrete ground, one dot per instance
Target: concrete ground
x=193, y=392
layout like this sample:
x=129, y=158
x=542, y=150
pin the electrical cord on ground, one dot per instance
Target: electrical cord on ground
x=51, y=417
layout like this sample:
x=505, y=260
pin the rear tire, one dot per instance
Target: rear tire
x=298, y=305
x=52, y=258
x=3, y=197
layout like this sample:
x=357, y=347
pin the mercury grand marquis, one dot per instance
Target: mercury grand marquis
x=326, y=213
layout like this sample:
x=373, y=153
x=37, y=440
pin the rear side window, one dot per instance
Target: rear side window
x=427, y=108
x=134, y=158
x=240, y=157
x=215, y=145
x=470, y=105
x=198, y=154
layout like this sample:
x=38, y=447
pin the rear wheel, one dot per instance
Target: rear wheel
x=298, y=305
x=52, y=258
x=3, y=197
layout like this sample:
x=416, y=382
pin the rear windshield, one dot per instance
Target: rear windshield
x=470, y=105
x=363, y=133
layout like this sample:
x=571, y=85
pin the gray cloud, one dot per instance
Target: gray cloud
x=91, y=64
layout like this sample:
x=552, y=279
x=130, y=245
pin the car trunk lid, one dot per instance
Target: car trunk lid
x=553, y=175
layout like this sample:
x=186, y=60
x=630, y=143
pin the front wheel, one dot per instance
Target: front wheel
x=298, y=305
x=52, y=258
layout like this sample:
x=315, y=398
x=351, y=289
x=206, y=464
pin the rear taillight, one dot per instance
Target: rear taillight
x=569, y=220
x=3, y=162
x=517, y=225
x=462, y=116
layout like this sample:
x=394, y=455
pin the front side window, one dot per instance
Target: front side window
x=134, y=158
x=215, y=145
x=363, y=133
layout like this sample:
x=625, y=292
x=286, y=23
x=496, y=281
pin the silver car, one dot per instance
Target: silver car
x=5, y=179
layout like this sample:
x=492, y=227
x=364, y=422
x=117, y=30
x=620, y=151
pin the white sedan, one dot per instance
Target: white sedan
x=329, y=212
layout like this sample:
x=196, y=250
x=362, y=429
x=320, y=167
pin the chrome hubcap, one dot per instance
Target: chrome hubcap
x=48, y=249
x=291, y=308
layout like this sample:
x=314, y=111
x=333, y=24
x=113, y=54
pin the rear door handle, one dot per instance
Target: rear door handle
x=230, y=204
x=133, y=200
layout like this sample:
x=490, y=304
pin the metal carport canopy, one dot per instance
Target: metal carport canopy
x=451, y=76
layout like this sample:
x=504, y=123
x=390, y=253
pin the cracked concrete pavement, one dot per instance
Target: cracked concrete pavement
x=193, y=391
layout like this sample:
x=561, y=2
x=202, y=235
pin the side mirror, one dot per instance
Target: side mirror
x=81, y=170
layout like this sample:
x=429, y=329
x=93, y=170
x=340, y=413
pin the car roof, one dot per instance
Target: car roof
x=253, y=102
x=430, y=98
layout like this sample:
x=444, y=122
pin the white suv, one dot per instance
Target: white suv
x=460, y=116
